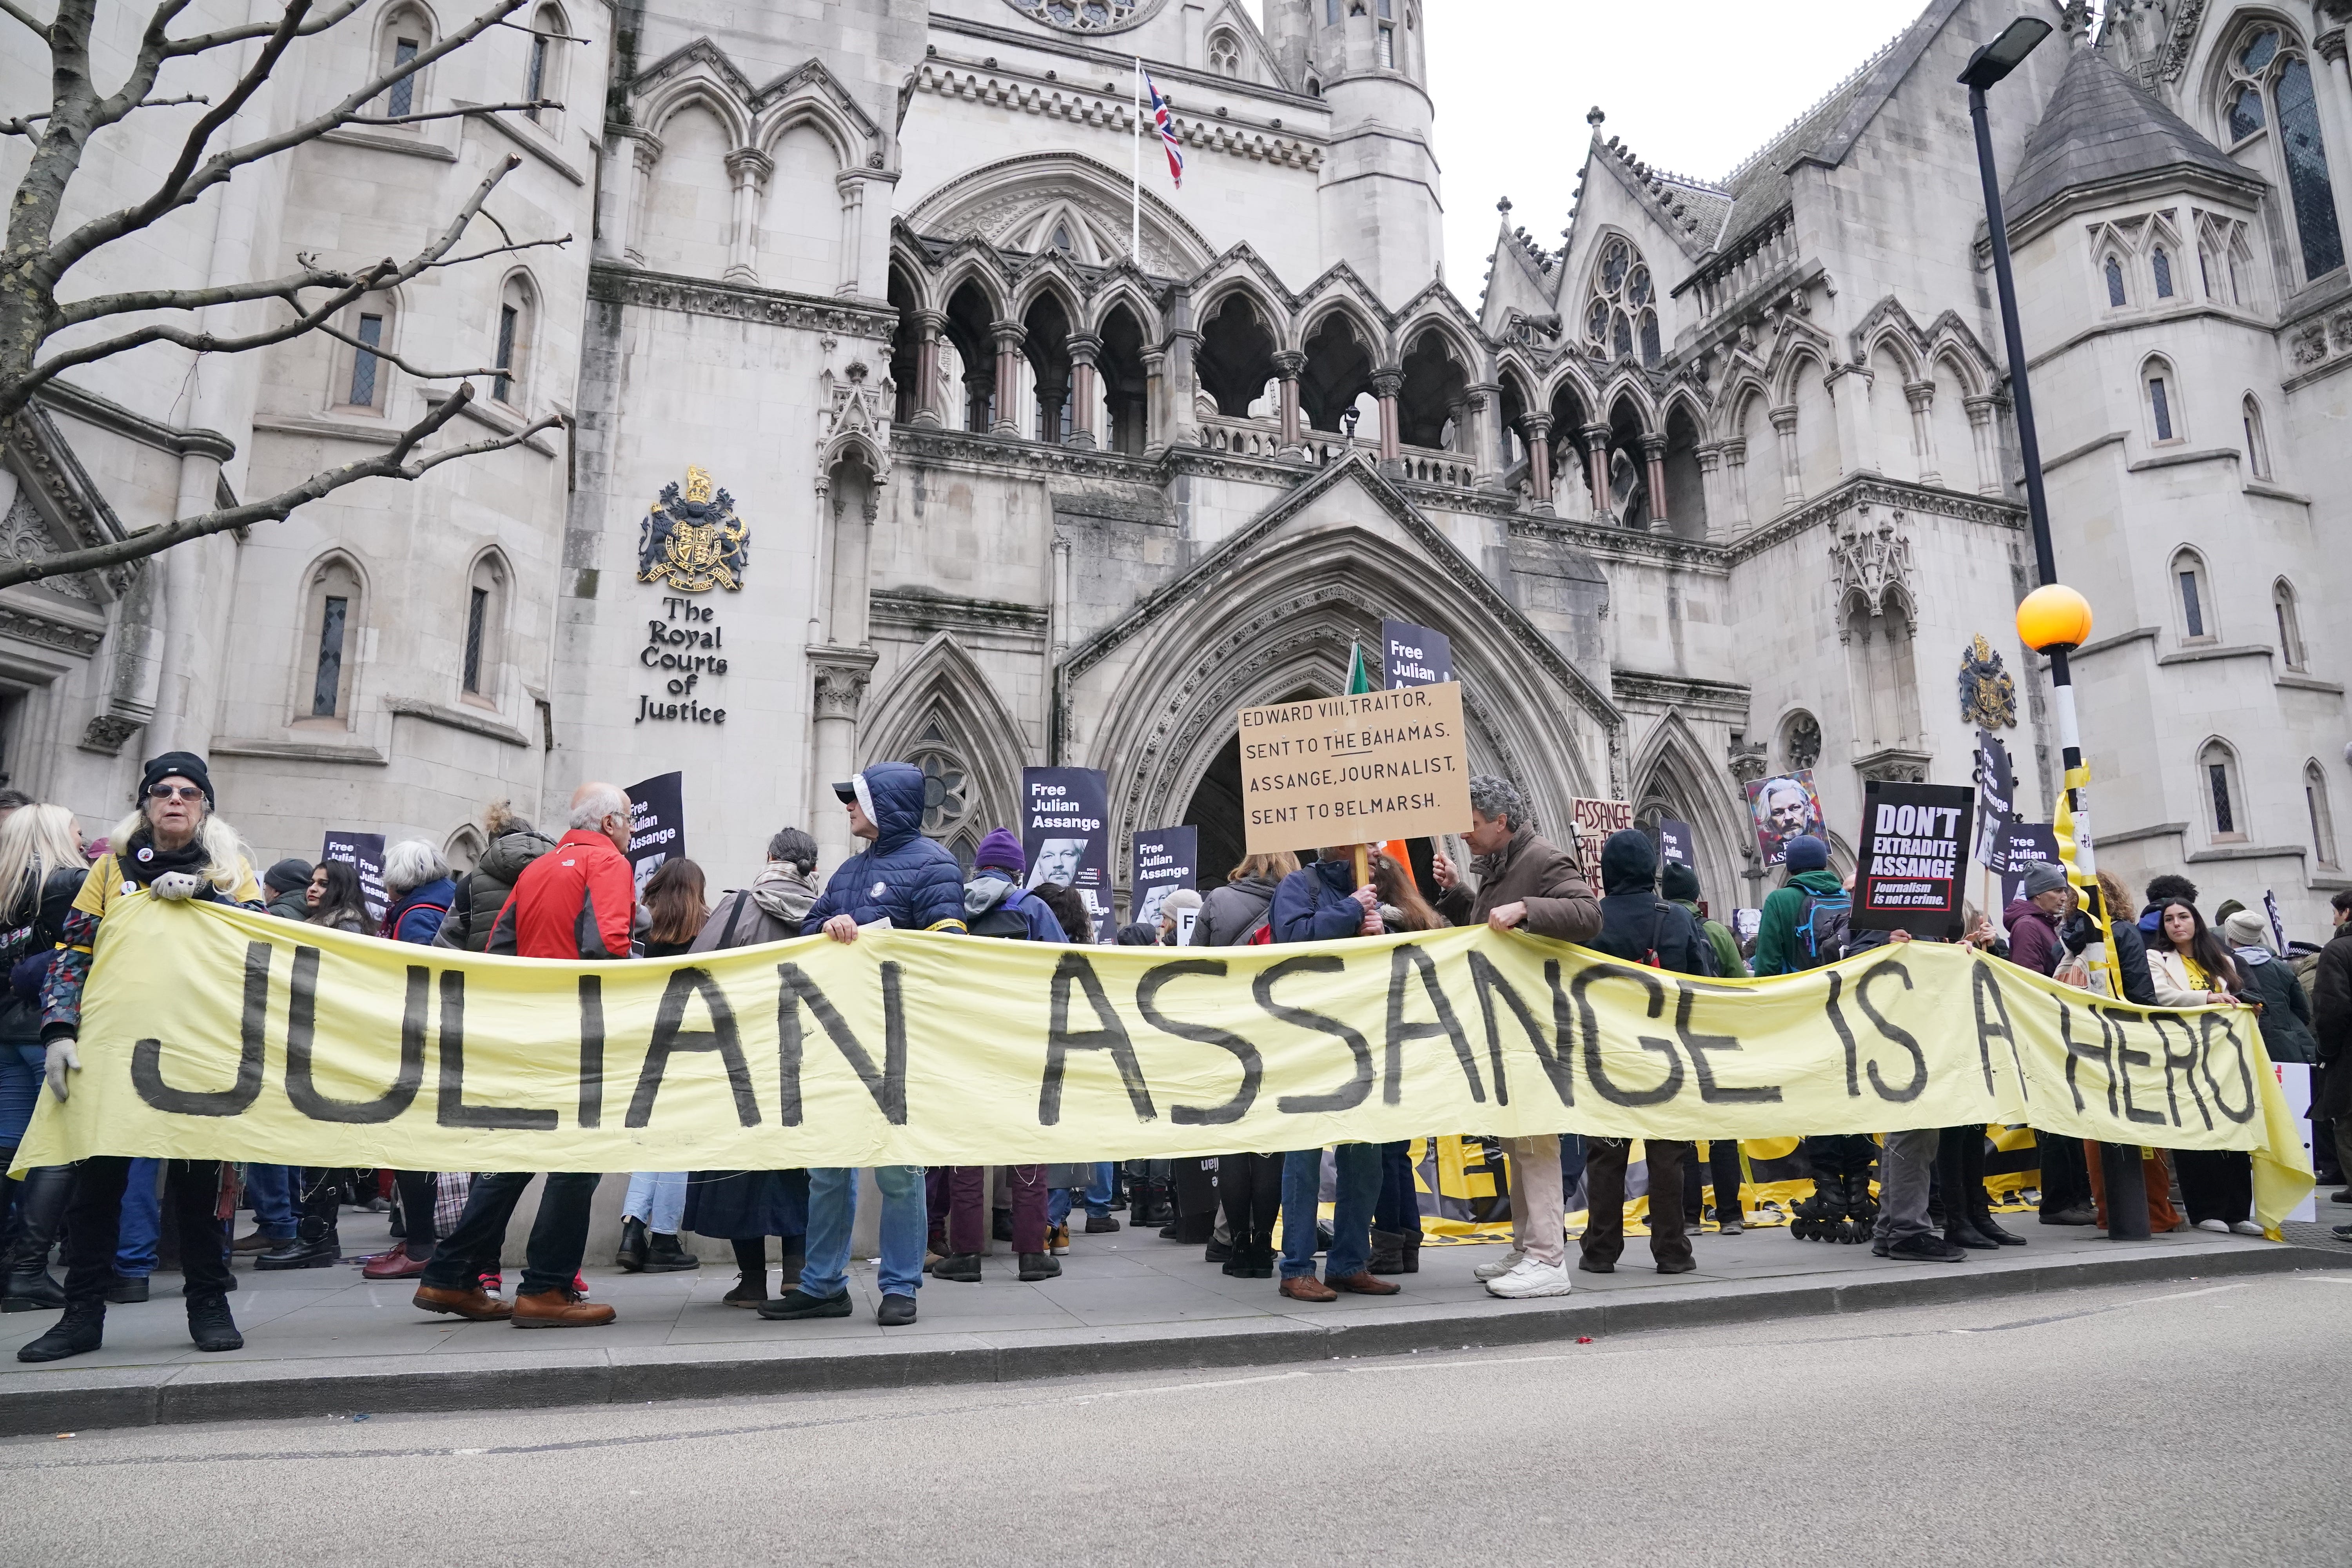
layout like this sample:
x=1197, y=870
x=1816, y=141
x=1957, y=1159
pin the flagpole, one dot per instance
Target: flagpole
x=1135, y=173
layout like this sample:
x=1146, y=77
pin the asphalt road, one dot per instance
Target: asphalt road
x=2188, y=1422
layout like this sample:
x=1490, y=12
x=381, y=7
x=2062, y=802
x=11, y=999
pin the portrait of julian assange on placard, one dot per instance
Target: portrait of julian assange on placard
x=1785, y=808
x=1058, y=860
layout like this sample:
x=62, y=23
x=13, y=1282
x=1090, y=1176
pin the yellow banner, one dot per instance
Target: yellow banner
x=211, y=1033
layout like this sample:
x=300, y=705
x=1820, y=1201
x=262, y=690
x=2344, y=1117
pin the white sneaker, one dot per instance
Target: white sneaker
x=1494, y=1269
x=2214, y=1225
x=2247, y=1228
x=1533, y=1276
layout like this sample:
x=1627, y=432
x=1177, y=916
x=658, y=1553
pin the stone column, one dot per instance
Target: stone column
x=748, y=168
x=1535, y=429
x=1735, y=480
x=1792, y=479
x=851, y=184
x=1479, y=437
x=643, y=154
x=1921, y=395
x=1386, y=384
x=1287, y=364
x=1155, y=398
x=1849, y=387
x=840, y=674
x=1653, y=455
x=1596, y=467
x=928, y=324
x=1980, y=427
x=624, y=167
x=1710, y=484
x=1008, y=336
x=1083, y=349
x=1182, y=400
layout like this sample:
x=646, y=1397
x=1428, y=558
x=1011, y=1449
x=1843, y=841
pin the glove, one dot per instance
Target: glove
x=174, y=886
x=63, y=1060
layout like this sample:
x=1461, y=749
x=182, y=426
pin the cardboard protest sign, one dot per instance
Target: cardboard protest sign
x=1355, y=770
x=1415, y=656
x=1066, y=835
x=1595, y=820
x=656, y=825
x=1675, y=844
x=364, y=852
x=1996, y=802
x=1785, y=807
x=1166, y=859
x=1914, y=849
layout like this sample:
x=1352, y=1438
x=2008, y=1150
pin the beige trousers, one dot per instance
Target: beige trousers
x=1536, y=1208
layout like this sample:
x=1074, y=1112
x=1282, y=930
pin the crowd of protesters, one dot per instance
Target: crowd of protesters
x=1915, y=1193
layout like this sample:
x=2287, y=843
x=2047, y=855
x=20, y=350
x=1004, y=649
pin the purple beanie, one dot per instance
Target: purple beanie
x=1000, y=851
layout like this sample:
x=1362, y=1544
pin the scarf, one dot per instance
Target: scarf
x=142, y=861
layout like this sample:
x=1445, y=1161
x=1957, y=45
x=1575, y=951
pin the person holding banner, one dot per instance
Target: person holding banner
x=41, y=870
x=2192, y=969
x=170, y=848
x=1525, y=882
x=1319, y=902
x=1249, y=1185
x=577, y=902
x=910, y=883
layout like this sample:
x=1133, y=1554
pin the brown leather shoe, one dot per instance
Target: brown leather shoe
x=393, y=1265
x=1306, y=1288
x=558, y=1310
x=1365, y=1283
x=477, y=1304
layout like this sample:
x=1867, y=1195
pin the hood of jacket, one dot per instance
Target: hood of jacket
x=2022, y=909
x=986, y=890
x=1823, y=882
x=784, y=892
x=897, y=791
x=510, y=852
x=437, y=892
x=1629, y=863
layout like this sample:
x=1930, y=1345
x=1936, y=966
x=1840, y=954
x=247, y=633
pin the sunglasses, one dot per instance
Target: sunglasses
x=175, y=791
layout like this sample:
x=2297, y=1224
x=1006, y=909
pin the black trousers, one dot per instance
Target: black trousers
x=1604, y=1186
x=1251, y=1188
x=2065, y=1178
x=2216, y=1183
x=1959, y=1172
x=558, y=1236
x=1723, y=1166
x=94, y=1223
x=417, y=1192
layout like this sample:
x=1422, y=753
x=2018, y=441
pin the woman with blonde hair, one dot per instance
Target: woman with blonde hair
x=171, y=848
x=41, y=869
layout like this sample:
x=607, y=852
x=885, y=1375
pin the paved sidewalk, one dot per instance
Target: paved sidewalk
x=321, y=1341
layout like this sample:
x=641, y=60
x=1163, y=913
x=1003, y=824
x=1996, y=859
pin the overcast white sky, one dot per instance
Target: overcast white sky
x=1693, y=86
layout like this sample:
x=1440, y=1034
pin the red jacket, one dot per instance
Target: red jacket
x=575, y=902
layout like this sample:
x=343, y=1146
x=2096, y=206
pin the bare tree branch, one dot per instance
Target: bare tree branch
x=393, y=359
x=187, y=181
x=507, y=249
x=390, y=465
x=450, y=113
x=40, y=29
x=23, y=124
x=285, y=286
x=177, y=47
x=15, y=392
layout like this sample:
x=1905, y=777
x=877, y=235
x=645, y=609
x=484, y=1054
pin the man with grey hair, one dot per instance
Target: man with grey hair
x=1524, y=883
x=576, y=902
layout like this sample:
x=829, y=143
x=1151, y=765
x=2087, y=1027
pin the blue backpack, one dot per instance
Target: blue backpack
x=1825, y=927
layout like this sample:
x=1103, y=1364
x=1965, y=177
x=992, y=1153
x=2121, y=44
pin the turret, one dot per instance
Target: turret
x=1380, y=210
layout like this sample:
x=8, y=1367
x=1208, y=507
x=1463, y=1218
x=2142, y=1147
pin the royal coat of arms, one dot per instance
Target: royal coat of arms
x=694, y=542
x=1988, y=696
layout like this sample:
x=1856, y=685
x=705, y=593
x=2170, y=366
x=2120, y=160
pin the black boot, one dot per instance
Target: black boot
x=315, y=1246
x=1388, y=1252
x=1952, y=1184
x=1037, y=1265
x=961, y=1266
x=211, y=1326
x=634, y=1246
x=80, y=1331
x=751, y=1266
x=666, y=1256
x=39, y=1201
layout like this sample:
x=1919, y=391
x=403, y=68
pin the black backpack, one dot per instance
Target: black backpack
x=1004, y=921
x=1824, y=928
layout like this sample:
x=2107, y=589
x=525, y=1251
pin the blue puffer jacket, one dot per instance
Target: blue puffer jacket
x=1316, y=903
x=904, y=876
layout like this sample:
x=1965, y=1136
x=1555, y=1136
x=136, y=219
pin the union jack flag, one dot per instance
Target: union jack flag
x=1166, y=123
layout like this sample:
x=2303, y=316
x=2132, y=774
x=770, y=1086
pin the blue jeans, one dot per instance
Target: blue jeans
x=658, y=1198
x=1057, y=1201
x=1358, y=1172
x=270, y=1190
x=832, y=1206
x=142, y=1222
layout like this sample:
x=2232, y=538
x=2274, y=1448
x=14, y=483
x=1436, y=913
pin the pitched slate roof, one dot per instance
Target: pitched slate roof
x=2099, y=127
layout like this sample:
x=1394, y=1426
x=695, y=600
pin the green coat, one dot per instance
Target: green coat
x=1776, y=936
x=1729, y=965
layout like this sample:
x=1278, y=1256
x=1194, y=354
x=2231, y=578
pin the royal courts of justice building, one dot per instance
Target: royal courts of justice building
x=1725, y=482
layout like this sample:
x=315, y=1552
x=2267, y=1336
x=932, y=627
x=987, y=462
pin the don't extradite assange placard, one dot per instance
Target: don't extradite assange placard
x=1355, y=770
x=216, y=1033
x=1914, y=854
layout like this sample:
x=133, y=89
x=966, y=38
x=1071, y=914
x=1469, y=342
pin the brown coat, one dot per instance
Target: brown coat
x=1531, y=870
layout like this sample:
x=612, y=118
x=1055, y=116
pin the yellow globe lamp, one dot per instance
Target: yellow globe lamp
x=2054, y=616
